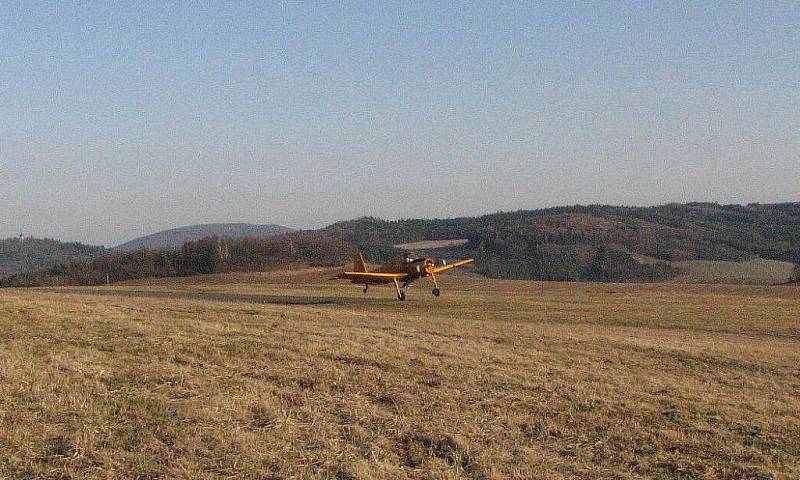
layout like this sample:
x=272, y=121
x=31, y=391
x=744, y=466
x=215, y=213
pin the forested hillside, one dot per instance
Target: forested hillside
x=31, y=254
x=205, y=256
x=599, y=242
x=595, y=243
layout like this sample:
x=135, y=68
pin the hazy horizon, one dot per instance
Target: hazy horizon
x=121, y=122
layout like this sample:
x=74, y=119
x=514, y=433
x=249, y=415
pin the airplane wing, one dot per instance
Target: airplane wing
x=450, y=266
x=372, y=275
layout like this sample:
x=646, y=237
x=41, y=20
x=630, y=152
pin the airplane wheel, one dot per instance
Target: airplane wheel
x=401, y=296
x=364, y=290
x=436, y=292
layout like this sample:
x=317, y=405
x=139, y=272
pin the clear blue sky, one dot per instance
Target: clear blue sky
x=118, y=121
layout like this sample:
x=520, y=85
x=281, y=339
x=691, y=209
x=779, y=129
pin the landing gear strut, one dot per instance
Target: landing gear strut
x=401, y=295
x=436, y=292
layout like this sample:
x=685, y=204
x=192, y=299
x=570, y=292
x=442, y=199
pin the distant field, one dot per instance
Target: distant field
x=198, y=378
x=431, y=244
x=759, y=271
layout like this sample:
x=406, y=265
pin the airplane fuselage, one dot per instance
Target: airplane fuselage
x=413, y=269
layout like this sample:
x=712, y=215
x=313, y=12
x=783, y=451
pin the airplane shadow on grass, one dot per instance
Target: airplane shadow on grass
x=231, y=297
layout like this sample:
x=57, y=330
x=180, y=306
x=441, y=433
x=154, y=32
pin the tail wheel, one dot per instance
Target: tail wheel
x=436, y=292
x=401, y=296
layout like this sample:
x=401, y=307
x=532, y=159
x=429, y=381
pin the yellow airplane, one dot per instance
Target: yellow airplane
x=402, y=271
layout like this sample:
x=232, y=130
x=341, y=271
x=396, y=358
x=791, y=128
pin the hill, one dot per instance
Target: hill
x=176, y=237
x=597, y=242
x=694, y=243
x=201, y=257
x=18, y=255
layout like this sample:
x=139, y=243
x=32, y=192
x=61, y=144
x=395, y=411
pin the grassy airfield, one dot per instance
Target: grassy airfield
x=199, y=378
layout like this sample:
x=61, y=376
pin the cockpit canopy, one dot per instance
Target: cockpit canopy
x=409, y=257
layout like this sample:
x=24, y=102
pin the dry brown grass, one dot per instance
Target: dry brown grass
x=757, y=271
x=495, y=379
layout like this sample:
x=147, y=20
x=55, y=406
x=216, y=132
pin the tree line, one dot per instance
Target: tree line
x=592, y=243
x=206, y=256
x=598, y=242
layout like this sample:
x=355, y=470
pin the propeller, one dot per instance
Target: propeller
x=430, y=265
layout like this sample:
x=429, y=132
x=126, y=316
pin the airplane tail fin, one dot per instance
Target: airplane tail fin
x=358, y=263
